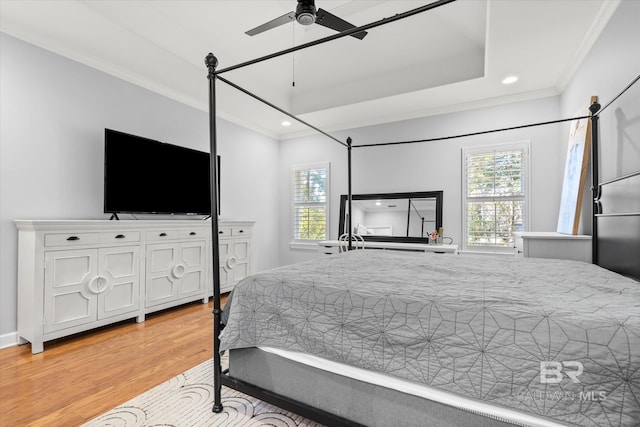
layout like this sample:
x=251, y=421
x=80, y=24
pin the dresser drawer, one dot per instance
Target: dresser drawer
x=224, y=232
x=71, y=239
x=519, y=245
x=328, y=249
x=195, y=234
x=240, y=231
x=161, y=235
x=117, y=237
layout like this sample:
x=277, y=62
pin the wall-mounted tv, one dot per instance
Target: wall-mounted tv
x=143, y=175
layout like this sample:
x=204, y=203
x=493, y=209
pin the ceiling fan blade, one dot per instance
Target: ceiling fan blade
x=284, y=19
x=329, y=20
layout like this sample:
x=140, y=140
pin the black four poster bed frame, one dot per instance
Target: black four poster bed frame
x=615, y=229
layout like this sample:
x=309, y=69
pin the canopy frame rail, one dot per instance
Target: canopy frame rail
x=594, y=113
x=464, y=135
x=264, y=101
x=345, y=33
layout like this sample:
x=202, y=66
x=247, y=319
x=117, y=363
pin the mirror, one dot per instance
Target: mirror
x=393, y=217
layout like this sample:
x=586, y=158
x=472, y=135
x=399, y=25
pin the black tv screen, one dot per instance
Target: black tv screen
x=143, y=175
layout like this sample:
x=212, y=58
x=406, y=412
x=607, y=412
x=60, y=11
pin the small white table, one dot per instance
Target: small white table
x=329, y=247
x=550, y=244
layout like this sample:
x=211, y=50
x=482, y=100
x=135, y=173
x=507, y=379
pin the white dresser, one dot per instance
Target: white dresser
x=330, y=247
x=553, y=245
x=79, y=275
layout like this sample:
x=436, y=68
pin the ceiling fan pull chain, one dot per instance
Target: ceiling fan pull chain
x=293, y=56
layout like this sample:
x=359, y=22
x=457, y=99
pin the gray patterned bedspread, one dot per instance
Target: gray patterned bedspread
x=560, y=339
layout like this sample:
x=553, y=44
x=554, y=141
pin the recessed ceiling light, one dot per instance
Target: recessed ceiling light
x=286, y=123
x=509, y=80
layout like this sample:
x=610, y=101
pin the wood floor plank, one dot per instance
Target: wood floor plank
x=80, y=377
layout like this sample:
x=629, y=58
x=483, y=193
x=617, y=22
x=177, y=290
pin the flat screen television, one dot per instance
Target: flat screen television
x=143, y=175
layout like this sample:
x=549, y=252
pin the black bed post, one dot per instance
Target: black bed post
x=595, y=180
x=212, y=62
x=408, y=215
x=349, y=190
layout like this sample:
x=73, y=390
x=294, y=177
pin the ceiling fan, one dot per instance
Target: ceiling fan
x=306, y=14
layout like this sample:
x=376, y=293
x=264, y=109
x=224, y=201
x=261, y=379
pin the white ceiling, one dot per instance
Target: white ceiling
x=451, y=58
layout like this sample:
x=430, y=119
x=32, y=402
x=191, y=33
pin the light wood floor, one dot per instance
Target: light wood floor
x=78, y=378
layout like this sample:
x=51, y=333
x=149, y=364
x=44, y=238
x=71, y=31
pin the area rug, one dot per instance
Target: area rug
x=186, y=401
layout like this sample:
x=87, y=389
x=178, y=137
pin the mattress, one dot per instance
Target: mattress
x=556, y=339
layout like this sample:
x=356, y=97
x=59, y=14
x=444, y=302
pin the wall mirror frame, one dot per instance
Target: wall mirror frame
x=410, y=216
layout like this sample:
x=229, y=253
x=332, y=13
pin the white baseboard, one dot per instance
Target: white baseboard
x=9, y=340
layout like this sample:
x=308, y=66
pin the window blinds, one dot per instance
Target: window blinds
x=495, y=197
x=310, y=202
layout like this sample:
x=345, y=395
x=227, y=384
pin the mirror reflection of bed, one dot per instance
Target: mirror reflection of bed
x=402, y=217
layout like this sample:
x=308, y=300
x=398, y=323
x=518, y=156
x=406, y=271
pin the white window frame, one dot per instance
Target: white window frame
x=300, y=243
x=466, y=151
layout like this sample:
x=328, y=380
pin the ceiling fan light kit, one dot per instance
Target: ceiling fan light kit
x=306, y=12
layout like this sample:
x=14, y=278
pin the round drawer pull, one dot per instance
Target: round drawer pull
x=162, y=234
x=73, y=238
x=193, y=233
x=178, y=271
x=98, y=284
x=232, y=262
x=120, y=236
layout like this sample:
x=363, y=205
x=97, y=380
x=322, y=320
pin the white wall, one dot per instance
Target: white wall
x=314, y=149
x=431, y=166
x=612, y=63
x=53, y=113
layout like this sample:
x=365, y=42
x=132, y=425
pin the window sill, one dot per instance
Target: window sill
x=493, y=253
x=304, y=246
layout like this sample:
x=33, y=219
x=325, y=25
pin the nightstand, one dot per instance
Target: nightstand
x=550, y=244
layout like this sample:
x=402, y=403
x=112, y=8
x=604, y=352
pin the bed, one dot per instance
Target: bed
x=384, y=338
x=474, y=328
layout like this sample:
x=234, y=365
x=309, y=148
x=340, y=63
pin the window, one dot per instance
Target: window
x=495, y=196
x=310, y=202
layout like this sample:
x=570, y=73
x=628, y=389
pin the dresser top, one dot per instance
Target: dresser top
x=551, y=235
x=82, y=224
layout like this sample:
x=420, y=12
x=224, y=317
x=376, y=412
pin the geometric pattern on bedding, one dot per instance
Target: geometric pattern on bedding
x=477, y=326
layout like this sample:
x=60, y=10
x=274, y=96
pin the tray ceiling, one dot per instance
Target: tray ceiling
x=447, y=59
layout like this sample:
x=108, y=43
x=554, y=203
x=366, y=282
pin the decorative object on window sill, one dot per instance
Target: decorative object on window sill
x=436, y=237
